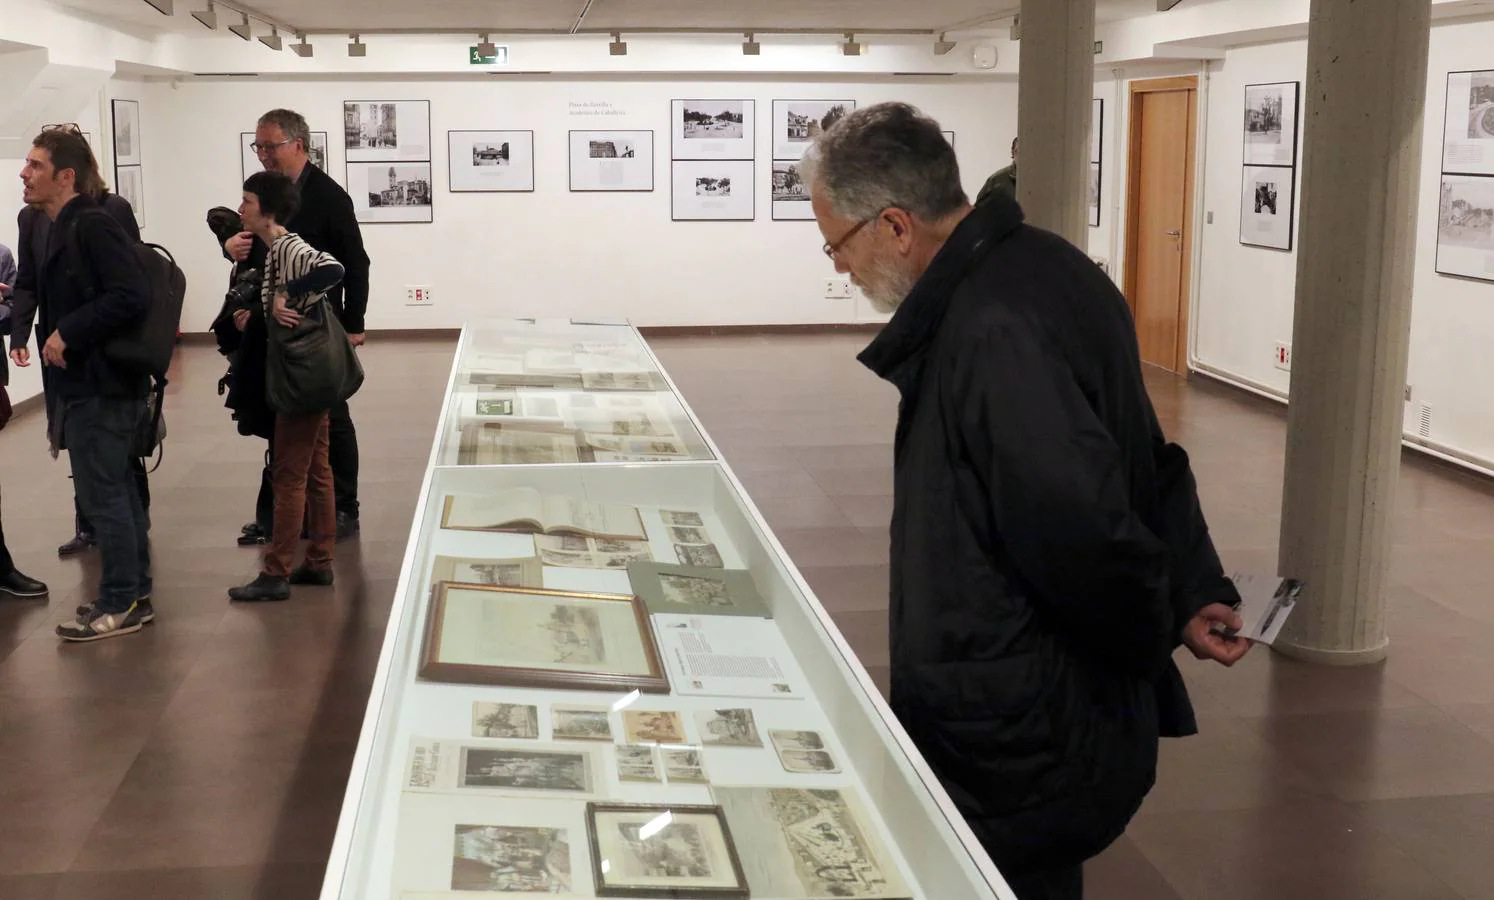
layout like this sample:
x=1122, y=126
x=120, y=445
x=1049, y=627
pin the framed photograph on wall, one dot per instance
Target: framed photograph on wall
x=391, y=192
x=949, y=136
x=1468, y=129
x=250, y=160
x=612, y=161
x=1096, y=159
x=1267, y=206
x=1094, y=195
x=714, y=190
x=490, y=161
x=126, y=132
x=1271, y=124
x=129, y=183
x=797, y=122
x=713, y=129
x=790, y=193
x=1465, y=227
x=663, y=850
x=387, y=131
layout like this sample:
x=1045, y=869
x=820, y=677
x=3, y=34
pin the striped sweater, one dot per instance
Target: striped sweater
x=302, y=271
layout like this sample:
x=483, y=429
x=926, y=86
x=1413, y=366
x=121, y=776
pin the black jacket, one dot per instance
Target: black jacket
x=328, y=222
x=122, y=296
x=1047, y=543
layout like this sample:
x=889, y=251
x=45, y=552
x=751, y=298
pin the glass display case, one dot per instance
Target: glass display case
x=607, y=679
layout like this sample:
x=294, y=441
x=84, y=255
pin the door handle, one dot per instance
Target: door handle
x=1174, y=234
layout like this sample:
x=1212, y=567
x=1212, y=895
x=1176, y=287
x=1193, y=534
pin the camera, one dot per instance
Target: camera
x=244, y=293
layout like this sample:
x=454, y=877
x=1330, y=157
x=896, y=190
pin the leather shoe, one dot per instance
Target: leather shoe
x=265, y=588
x=81, y=543
x=315, y=577
x=347, y=527
x=17, y=585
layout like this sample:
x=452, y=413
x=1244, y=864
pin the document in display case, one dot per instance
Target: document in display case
x=604, y=678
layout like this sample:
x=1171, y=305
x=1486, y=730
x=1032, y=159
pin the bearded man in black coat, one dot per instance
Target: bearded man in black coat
x=1049, y=553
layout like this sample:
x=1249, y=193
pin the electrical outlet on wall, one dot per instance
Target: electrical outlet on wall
x=1282, y=357
x=418, y=295
x=838, y=288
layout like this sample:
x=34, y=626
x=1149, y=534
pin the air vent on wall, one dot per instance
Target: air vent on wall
x=1424, y=428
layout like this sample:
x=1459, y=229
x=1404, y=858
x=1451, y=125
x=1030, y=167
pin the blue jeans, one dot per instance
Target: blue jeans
x=100, y=433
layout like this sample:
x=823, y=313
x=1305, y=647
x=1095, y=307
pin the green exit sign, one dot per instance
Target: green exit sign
x=499, y=56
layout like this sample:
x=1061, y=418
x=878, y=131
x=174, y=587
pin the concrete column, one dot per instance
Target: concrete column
x=1057, y=82
x=1361, y=172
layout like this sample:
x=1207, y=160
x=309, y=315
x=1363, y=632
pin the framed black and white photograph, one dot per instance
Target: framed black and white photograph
x=663, y=850
x=452, y=846
x=714, y=191
x=1267, y=206
x=1271, y=124
x=1094, y=195
x=1468, y=130
x=797, y=122
x=790, y=194
x=490, y=161
x=391, y=192
x=713, y=129
x=950, y=137
x=1097, y=131
x=387, y=130
x=129, y=183
x=612, y=160
x=250, y=160
x=1465, y=227
x=126, y=132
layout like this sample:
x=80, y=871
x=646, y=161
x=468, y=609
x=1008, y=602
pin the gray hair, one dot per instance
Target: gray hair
x=292, y=123
x=883, y=156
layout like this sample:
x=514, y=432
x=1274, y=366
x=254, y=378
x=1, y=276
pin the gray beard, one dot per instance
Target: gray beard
x=887, y=286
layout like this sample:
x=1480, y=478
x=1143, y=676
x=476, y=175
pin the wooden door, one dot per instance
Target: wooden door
x=1160, y=242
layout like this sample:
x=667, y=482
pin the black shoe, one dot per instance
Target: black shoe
x=82, y=542
x=142, y=606
x=95, y=625
x=252, y=528
x=263, y=589
x=347, y=527
x=253, y=539
x=314, y=577
x=17, y=585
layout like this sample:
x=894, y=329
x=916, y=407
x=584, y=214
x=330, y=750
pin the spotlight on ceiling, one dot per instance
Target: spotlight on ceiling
x=486, y=47
x=750, y=47
x=1016, y=28
x=943, y=46
x=618, y=47
x=1162, y=5
x=243, y=29
x=303, y=49
x=272, y=40
x=850, y=47
x=208, y=17
x=357, y=47
x=163, y=7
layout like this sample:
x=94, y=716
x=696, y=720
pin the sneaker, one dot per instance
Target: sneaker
x=82, y=542
x=147, y=612
x=314, y=577
x=262, y=589
x=96, y=625
x=17, y=585
x=347, y=527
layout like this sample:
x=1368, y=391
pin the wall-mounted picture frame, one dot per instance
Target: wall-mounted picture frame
x=1096, y=159
x=1465, y=227
x=713, y=129
x=126, y=117
x=387, y=130
x=392, y=192
x=1468, y=124
x=249, y=160
x=490, y=161
x=656, y=850
x=798, y=122
x=1268, y=206
x=708, y=190
x=129, y=183
x=950, y=137
x=791, y=201
x=1095, y=172
x=612, y=161
x=1271, y=123
x=531, y=637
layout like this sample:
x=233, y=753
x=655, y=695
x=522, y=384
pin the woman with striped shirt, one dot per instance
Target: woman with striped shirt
x=295, y=283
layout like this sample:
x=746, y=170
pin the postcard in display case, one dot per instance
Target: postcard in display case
x=451, y=848
x=523, y=571
x=530, y=637
x=526, y=511
x=581, y=723
x=686, y=590
x=519, y=444
x=652, y=851
x=510, y=769
x=569, y=551
x=511, y=721
x=727, y=728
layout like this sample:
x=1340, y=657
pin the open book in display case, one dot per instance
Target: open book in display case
x=604, y=677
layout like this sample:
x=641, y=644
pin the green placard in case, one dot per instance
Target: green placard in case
x=691, y=591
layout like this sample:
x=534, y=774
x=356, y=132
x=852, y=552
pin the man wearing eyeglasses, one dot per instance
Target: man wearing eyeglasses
x=328, y=223
x=1048, y=550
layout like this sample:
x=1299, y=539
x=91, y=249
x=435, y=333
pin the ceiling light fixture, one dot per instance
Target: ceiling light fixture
x=244, y=29
x=208, y=17
x=272, y=40
x=485, y=47
x=618, y=47
x=850, y=47
x=1016, y=28
x=164, y=7
x=303, y=49
x=750, y=47
x=357, y=47
x=943, y=46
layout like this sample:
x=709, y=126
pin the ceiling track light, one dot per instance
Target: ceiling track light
x=943, y=46
x=357, y=47
x=618, y=47
x=850, y=47
x=164, y=7
x=272, y=40
x=208, y=17
x=303, y=49
x=485, y=47
x=1016, y=28
x=243, y=29
x=750, y=46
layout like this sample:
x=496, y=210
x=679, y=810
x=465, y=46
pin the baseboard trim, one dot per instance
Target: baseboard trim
x=709, y=330
x=27, y=406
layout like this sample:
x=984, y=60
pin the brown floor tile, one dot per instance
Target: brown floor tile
x=1266, y=683
x=849, y=588
x=1451, y=834
x=1123, y=873
x=805, y=511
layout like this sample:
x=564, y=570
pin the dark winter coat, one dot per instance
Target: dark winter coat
x=1047, y=543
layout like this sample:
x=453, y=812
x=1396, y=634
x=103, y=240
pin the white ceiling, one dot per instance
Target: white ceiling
x=518, y=15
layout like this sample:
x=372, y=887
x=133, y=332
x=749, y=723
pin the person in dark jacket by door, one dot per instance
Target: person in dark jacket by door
x=1048, y=552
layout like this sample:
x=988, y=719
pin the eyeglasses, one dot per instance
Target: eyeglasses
x=70, y=127
x=832, y=249
x=257, y=147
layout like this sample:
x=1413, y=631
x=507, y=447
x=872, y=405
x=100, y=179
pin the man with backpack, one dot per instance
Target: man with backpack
x=92, y=291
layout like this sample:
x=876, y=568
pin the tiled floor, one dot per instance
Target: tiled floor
x=207, y=758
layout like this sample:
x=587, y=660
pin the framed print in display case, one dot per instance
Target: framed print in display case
x=391, y=192
x=1267, y=195
x=1468, y=129
x=524, y=571
x=1465, y=227
x=666, y=588
x=797, y=122
x=531, y=637
x=612, y=161
x=713, y=129
x=1271, y=124
x=126, y=132
x=250, y=160
x=490, y=161
x=790, y=193
x=714, y=191
x=658, y=850
x=387, y=131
